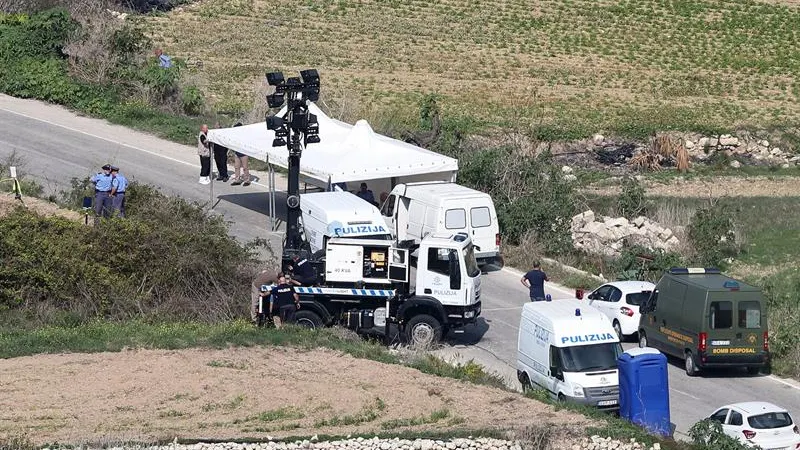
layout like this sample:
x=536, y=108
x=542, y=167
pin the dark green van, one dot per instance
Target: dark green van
x=708, y=319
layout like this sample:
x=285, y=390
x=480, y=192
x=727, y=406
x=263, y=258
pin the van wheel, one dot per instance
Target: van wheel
x=618, y=329
x=524, y=380
x=423, y=331
x=753, y=370
x=308, y=319
x=689, y=364
x=562, y=398
x=642, y=339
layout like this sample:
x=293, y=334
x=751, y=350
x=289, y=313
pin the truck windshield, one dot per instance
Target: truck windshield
x=471, y=262
x=590, y=358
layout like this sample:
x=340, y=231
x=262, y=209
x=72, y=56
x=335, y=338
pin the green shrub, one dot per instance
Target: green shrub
x=192, y=100
x=711, y=233
x=782, y=291
x=639, y=263
x=631, y=202
x=530, y=194
x=167, y=258
x=708, y=435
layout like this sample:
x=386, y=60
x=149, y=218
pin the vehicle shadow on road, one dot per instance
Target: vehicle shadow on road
x=722, y=372
x=258, y=202
x=472, y=334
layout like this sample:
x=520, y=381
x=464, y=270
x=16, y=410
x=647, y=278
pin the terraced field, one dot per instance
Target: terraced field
x=578, y=66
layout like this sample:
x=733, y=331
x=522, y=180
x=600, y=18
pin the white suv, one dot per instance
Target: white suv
x=620, y=300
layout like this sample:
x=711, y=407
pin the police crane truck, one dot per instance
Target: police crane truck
x=363, y=284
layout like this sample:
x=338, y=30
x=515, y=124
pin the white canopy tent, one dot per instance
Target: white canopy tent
x=345, y=154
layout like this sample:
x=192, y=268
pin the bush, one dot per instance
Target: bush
x=631, y=202
x=708, y=435
x=782, y=291
x=99, y=67
x=530, y=194
x=167, y=259
x=711, y=233
x=631, y=266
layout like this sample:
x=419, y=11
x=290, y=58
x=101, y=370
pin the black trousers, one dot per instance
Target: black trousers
x=286, y=313
x=205, y=166
x=221, y=158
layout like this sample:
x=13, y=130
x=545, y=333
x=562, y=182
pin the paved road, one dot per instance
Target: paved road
x=58, y=145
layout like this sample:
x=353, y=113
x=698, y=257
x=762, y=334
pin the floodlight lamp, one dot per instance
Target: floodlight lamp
x=312, y=120
x=275, y=100
x=282, y=132
x=312, y=139
x=300, y=121
x=278, y=142
x=274, y=122
x=312, y=96
x=275, y=78
x=293, y=81
x=310, y=76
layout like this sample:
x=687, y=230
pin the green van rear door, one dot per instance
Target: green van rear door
x=735, y=323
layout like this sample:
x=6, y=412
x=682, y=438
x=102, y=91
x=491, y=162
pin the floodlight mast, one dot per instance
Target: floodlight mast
x=295, y=129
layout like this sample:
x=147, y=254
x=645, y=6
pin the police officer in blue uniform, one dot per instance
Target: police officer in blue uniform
x=102, y=190
x=302, y=271
x=118, y=186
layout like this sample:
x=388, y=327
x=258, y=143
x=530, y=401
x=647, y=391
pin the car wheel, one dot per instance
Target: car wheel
x=308, y=319
x=423, y=331
x=689, y=364
x=618, y=329
x=642, y=339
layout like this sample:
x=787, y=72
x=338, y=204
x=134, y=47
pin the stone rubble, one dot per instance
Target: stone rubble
x=751, y=151
x=589, y=443
x=606, y=235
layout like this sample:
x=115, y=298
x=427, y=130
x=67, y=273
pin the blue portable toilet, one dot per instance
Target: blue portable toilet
x=644, y=389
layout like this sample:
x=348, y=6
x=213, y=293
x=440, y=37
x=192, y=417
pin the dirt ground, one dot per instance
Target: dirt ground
x=144, y=395
x=8, y=203
x=713, y=187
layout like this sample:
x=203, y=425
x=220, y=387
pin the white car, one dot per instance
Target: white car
x=759, y=424
x=620, y=300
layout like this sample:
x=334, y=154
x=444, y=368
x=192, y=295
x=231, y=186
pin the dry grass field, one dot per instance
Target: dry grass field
x=595, y=65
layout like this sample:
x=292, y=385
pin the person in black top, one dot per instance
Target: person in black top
x=285, y=302
x=302, y=271
x=534, y=281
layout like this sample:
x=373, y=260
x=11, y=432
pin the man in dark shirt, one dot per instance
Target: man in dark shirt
x=534, y=280
x=302, y=271
x=285, y=302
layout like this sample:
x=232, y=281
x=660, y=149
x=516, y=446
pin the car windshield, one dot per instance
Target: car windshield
x=471, y=262
x=637, y=298
x=770, y=420
x=589, y=358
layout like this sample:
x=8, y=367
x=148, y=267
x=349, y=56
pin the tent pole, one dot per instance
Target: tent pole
x=272, y=200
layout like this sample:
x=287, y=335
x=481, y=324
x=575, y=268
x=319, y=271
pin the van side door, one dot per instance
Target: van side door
x=669, y=320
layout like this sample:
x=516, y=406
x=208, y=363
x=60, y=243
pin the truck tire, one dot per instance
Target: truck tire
x=308, y=319
x=423, y=331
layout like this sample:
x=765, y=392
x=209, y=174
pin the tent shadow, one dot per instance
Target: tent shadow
x=258, y=202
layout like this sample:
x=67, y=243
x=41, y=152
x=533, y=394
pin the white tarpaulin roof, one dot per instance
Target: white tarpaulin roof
x=346, y=152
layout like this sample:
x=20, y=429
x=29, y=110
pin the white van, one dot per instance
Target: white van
x=413, y=210
x=339, y=214
x=569, y=349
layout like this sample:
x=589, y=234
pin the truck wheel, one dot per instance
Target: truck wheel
x=642, y=339
x=308, y=319
x=691, y=369
x=423, y=331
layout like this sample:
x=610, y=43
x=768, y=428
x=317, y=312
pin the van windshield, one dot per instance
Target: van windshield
x=471, y=262
x=590, y=358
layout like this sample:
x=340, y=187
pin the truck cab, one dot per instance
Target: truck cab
x=437, y=293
